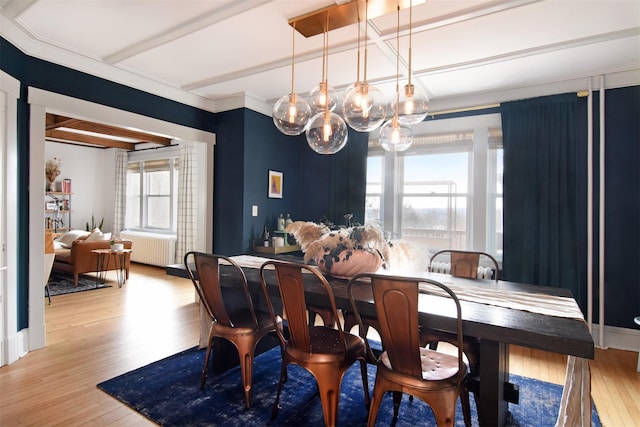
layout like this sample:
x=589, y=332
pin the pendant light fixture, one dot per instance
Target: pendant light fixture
x=413, y=103
x=326, y=132
x=363, y=105
x=291, y=113
x=323, y=97
x=394, y=135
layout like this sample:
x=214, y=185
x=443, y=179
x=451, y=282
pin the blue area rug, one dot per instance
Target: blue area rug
x=62, y=283
x=167, y=392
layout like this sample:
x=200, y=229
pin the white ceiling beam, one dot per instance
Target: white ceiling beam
x=217, y=15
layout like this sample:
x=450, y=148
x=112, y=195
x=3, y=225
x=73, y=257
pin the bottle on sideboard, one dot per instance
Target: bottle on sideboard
x=265, y=236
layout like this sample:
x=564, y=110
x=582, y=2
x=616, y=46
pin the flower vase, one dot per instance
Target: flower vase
x=52, y=186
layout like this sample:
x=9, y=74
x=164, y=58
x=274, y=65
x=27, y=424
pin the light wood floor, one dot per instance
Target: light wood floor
x=96, y=335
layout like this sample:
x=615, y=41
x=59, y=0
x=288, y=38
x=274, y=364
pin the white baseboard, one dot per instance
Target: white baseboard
x=615, y=337
x=17, y=346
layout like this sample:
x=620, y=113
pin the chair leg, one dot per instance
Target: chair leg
x=466, y=407
x=329, y=385
x=205, y=368
x=246, y=348
x=444, y=409
x=46, y=288
x=276, y=404
x=365, y=383
x=375, y=405
x=397, y=398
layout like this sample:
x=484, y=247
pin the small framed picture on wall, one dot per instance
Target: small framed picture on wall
x=275, y=185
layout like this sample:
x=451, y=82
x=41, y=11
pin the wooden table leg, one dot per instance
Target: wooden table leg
x=494, y=373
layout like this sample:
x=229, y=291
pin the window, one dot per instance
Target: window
x=444, y=192
x=152, y=194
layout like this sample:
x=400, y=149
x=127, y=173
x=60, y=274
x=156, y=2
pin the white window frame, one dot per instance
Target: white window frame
x=480, y=218
x=155, y=154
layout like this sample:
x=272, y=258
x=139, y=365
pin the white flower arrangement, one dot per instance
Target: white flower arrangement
x=332, y=248
x=52, y=169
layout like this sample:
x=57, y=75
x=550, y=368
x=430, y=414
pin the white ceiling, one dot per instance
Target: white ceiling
x=205, y=51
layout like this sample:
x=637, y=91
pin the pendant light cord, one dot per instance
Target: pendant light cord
x=410, y=35
x=366, y=38
x=395, y=117
x=293, y=55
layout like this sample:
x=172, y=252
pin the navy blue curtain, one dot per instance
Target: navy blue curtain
x=545, y=189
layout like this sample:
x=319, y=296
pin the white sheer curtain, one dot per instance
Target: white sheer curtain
x=120, y=205
x=187, y=203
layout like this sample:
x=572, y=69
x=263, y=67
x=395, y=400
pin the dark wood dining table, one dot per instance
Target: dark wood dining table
x=496, y=327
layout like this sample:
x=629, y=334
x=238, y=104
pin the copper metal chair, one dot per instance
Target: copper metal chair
x=326, y=352
x=404, y=366
x=465, y=263
x=236, y=321
x=462, y=264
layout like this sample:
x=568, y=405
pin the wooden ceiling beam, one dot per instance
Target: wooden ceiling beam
x=54, y=121
x=72, y=137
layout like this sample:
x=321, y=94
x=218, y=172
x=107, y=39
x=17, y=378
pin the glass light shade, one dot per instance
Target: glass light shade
x=394, y=136
x=364, y=107
x=322, y=97
x=327, y=133
x=413, y=105
x=291, y=113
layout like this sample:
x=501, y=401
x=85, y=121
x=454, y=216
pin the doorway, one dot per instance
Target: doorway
x=43, y=102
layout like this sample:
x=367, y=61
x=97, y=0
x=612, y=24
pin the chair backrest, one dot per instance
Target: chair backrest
x=469, y=264
x=291, y=277
x=207, y=282
x=396, y=301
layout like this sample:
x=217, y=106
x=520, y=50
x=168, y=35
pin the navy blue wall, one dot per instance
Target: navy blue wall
x=247, y=146
x=314, y=185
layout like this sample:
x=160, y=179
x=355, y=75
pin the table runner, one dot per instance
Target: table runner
x=483, y=293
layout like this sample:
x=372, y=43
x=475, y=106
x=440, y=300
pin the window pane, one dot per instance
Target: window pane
x=372, y=212
x=434, y=202
x=158, y=183
x=158, y=212
x=438, y=222
x=445, y=170
x=132, y=218
x=373, y=202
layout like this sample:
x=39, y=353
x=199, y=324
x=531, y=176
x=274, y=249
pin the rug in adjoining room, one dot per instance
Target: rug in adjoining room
x=61, y=283
x=167, y=392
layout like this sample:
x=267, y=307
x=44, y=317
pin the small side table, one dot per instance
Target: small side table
x=637, y=320
x=102, y=263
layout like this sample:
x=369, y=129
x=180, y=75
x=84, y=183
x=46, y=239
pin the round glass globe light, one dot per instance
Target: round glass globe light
x=394, y=136
x=364, y=107
x=291, y=114
x=413, y=105
x=327, y=133
x=322, y=97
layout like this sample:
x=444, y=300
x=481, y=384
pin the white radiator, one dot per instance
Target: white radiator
x=445, y=267
x=151, y=248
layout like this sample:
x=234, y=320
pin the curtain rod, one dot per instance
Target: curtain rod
x=580, y=94
x=153, y=148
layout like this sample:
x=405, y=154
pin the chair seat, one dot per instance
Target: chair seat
x=435, y=365
x=243, y=323
x=327, y=340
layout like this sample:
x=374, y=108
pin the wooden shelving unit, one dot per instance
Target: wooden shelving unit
x=57, y=219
